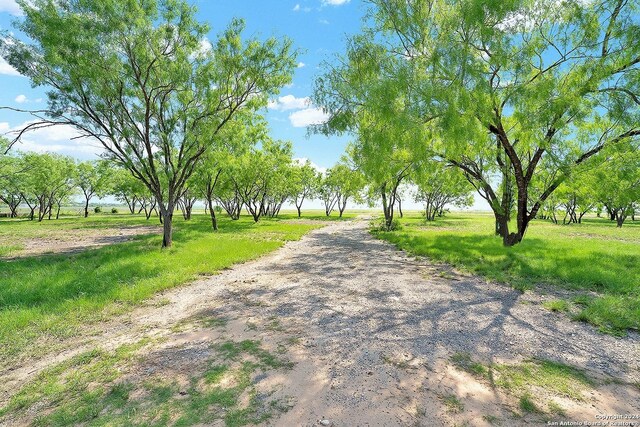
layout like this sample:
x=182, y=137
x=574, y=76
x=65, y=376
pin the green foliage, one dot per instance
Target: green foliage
x=97, y=209
x=440, y=186
x=593, y=256
x=261, y=178
x=618, y=183
x=340, y=184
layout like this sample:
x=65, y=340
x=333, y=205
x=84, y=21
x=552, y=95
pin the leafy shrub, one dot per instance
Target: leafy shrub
x=97, y=209
x=114, y=210
x=382, y=225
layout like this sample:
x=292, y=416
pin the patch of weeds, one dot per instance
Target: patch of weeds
x=551, y=376
x=10, y=249
x=274, y=325
x=252, y=326
x=522, y=379
x=161, y=302
x=526, y=404
x=293, y=340
x=76, y=387
x=401, y=364
x=556, y=409
x=582, y=300
x=556, y=305
x=612, y=315
x=491, y=419
x=453, y=404
x=521, y=286
x=466, y=363
x=213, y=322
x=446, y=275
x=215, y=373
x=231, y=350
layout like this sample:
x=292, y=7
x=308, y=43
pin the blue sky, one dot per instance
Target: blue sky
x=318, y=28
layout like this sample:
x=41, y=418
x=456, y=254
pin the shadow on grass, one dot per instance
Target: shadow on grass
x=532, y=262
x=609, y=268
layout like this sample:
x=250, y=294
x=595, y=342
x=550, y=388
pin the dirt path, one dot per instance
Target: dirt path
x=71, y=241
x=374, y=335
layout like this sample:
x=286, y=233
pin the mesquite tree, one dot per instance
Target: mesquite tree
x=305, y=181
x=11, y=183
x=340, y=184
x=439, y=185
x=502, y=86
x=133, y=75
x=47, y=180
x=211, y=178
x=618, y=184
x=93, y=179
x=261, y=177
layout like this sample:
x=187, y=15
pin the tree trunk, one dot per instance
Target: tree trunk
x=86, y=209
x=212, y=212
x=167, y=226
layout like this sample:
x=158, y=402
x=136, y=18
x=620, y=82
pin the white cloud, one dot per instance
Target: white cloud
x=10, y=6
x=205, y=45
x=335, y=2
x=323, y=21
x=301, y=64
x=303, y=160
x=203, y=48
x=21, y=99
x=62, y=139
x=298, y=8
x=289, y=102
x=307, y=117
x=4, y=127
x=6, y=68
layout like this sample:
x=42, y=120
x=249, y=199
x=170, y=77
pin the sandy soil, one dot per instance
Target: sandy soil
x=371, y=332
x=78, y=240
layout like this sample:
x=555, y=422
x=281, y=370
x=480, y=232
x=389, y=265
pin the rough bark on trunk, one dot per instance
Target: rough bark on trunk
x=212, y=212
x=167, y=228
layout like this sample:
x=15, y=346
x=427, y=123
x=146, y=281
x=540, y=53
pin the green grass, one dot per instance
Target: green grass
x=453, y=404
x=44, y=299
x=100, y=388
x=594, y=257
x=557, y=305
x=524, y=380
x=526, y=404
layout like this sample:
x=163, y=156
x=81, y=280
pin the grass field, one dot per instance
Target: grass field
x=598, y=261
x=44, y=299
